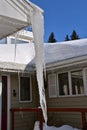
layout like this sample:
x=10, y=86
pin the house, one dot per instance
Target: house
x=66, y=68
x=67, y=80
x=66, y=73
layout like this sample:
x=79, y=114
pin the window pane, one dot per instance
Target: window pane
x=77, y=82
x=3, y=41
x=18, y=41
x=63, y=84
x=24, y=88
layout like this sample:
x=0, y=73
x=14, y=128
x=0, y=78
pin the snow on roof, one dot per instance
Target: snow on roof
x=23, y=55
x=60, y=51
x=16, y=57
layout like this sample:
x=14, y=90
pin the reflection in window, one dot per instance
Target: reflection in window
x=3, y=41
x=18, y=41
x=63, y=84
x=25, y=89
x=77, y=82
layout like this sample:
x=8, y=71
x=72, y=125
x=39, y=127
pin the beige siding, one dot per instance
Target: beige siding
x=24, y=120
x=77, y=102
x=73, y=119
x=15, y=103
x=59, y=119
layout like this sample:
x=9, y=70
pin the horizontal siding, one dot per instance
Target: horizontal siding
x=59, y=118
x=76, y=102
x=24, y=121
x=15, y=100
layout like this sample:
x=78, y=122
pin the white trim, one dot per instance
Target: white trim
x=85, y=81
x=67, y=63
x=0, y=100
x=58, y=85
x=70, y=83
x=30, y=89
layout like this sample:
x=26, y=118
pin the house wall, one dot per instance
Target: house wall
x=73, y=119
x=24, y=120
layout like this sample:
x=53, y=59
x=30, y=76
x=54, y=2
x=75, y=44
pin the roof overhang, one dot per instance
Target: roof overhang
x=67, y=63
x=9, y=26
x=14, y=16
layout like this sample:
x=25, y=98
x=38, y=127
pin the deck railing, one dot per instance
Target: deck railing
x=83, y=112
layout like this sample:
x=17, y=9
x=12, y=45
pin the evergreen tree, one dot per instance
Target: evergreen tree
x=52, y=38
x=74, y=35
x=67, y=38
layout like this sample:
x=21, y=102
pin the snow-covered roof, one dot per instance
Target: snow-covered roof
x=16, y=57
x=20, y=56
x=60, y=51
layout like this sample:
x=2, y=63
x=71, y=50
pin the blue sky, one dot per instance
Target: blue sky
x=64, y=16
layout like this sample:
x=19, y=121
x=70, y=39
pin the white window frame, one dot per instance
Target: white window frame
x=30, y=90
x=85, y=81
x=70, y=84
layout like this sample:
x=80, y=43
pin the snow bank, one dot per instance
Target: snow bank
x=45, y=127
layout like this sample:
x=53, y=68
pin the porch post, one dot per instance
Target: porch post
x=41, y=119
x=0, y=100
x=83, y=120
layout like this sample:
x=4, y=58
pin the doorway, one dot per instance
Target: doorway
x=4, y=103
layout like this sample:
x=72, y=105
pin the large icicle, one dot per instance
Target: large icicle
x=34, y=14
x=37, y=21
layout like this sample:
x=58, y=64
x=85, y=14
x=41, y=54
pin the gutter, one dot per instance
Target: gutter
x=66, y=63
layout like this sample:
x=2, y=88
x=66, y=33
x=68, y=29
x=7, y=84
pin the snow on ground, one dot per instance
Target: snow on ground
x=46, y=127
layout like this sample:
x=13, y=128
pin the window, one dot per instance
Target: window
x=25, y=89
x=63, y=84
x=3, y=41
x=77, y=82
x=72, y=83
x=18, y=41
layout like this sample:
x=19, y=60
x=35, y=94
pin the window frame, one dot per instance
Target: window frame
x=25, y=101
x=58, y=83
x=70, y=83
x=83, y=83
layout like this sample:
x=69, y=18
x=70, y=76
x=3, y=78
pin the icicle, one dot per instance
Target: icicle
x=15, y=42
x=37, y=21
